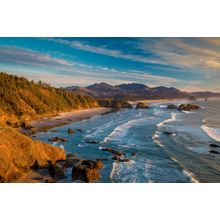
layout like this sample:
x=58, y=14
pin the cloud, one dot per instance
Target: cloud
x=191, y=53
x=19, y=55
x=179, y=52
x=82, y=73
x=105, y=51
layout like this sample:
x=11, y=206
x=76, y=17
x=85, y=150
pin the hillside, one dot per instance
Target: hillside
x=18, y=153
x=22, y=100
x=136, y=91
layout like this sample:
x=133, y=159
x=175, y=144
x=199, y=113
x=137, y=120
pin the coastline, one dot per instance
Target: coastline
x=156, y=101
x=64, y=118
x=68, y=117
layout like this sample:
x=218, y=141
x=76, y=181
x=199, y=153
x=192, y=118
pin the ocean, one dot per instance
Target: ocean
x=180, y=155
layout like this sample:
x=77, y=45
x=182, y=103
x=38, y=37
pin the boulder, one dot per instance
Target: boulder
x=57, y=139
x=69, y=162
x=214, y=152
x=124, y=160
x=70, y=131
x=142, y=105
x=120, y=159
x=92, y=142
x=188, y=107
x=116, y=158
x=86, y=170
x=168, y=132
x=56, y=171
x=108, y=149
x=133, y=154
x=171, y=106
x=71, y=156
x=214, y=145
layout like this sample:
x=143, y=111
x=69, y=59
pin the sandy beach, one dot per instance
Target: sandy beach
x=78, y=115
x=68, y=117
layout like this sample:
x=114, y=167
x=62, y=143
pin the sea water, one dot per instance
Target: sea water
x=181, y=156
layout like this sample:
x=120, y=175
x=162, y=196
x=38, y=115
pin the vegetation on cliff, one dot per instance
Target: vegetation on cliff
x=22, y=100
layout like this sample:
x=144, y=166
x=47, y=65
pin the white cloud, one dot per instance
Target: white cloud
x=19, y=55
x=104, y=51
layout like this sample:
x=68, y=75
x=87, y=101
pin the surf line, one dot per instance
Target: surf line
x=173, y=117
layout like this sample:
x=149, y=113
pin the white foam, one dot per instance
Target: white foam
x=122, y=129
x=174, y=159
x=163, y=106
x=114, y=168
x=173, y=118
x=191, y=176
x=155, y=137
x=187, y=112
x=61, y=146
x=158, y=112
x=214, y=133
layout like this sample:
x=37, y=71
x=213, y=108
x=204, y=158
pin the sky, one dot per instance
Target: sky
x=190, y=64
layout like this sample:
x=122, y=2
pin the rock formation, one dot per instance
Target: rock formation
x=86, y=170
x=188, y=107
x=142, y=105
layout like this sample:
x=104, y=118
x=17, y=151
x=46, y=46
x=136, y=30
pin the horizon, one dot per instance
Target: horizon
x=188, y=64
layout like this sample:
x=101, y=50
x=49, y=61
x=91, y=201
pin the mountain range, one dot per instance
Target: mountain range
x=136, y=91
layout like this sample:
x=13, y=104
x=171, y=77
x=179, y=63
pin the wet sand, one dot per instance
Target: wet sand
x=68, y=117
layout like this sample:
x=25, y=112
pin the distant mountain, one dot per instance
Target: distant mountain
x=136, y=91
x=205, y=94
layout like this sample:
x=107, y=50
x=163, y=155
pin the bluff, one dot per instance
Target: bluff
x=18, y=153
x=22, y=100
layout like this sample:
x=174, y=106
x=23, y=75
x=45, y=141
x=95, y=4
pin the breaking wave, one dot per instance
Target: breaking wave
x=214, y=133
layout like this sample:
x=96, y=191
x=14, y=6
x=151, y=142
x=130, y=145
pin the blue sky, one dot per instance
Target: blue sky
x=190, y=64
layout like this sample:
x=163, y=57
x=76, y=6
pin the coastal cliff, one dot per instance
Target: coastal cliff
x=18, y=153
x=22, y=100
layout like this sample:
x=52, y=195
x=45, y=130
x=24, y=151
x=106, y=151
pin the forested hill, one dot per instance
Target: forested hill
x=22, y=100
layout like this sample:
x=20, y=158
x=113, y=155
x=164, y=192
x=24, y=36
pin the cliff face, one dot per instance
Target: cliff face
x=18, y=153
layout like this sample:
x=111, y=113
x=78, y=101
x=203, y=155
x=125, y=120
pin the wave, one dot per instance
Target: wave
x=191, y=175
x=187, y=112
x=163, y=106
x=173, y=118
x=122, y=129
x=155, y=138
x=114, y=168
x=158, y=112
x=98, y=130
x=121, y=169
x=214, y=133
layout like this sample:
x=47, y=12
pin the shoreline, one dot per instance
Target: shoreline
x=64, y=118
x=153, y=101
